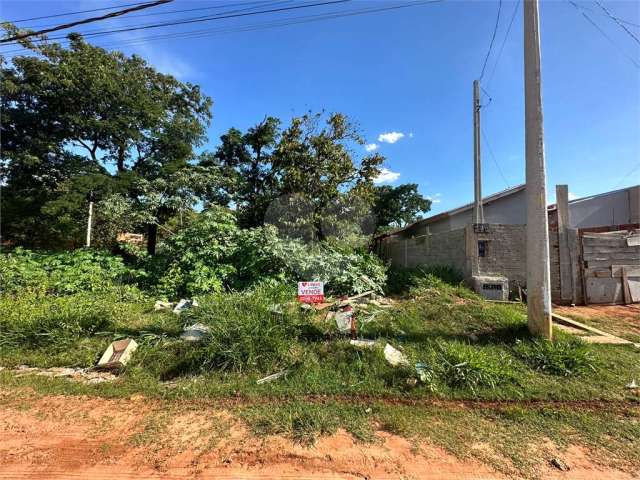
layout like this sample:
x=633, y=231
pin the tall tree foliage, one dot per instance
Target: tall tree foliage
x=398, y=206
x=82, y=111
x=306, y=173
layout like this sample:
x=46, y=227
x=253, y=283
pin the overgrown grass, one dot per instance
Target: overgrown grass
x=566, y=358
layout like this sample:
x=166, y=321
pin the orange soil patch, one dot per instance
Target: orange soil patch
x=621, y=320
x=91, y=438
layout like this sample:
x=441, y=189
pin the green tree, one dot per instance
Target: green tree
x=398, y=206
x=308, y=170
x=117, y=113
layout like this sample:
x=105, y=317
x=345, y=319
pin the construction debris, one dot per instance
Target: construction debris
x=395, y=357
x=272, y=377
x=195, y=332
x=162, y=305
x=633, y=385
x=118, y=354
x=559, y=464
x=344, y=319
x=185, y=304
x=83, y=375
x=363, y=343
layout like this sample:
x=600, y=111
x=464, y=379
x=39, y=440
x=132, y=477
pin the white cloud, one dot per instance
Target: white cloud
x=390, y=137
x=572, y=196
x=410, y=134
x=371, y=147
x=436, y=198
x=386, y=176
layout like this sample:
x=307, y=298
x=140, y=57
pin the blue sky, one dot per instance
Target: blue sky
x=410, y=72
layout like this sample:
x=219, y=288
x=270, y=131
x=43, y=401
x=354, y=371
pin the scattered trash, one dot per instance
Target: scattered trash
x=350, y=300
x=633, y=384
x=368, y=410
x=162, y=305
x=363, y=343
x=344, y=320
x=276, y=308
x=306, y=306
x=118, y=354
x=559, y=464
x=195, y=332
x=83, y=375
x=412, y=382
x=272, y=377
x=185, y=304
x=395, y=357
x=424, y=372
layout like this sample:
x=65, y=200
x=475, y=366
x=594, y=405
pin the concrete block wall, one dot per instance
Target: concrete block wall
x=446, y=248
x=505, y=254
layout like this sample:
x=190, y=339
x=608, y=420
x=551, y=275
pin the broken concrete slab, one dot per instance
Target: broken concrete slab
x=195, y=332
x=83, y=375
x=271, y=378
x=395, y=357
x=118, y=354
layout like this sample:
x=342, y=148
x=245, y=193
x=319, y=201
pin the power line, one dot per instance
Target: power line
x=85, y=21
x=206, y=19
x=260, y=26
x=628, y=174
x=75, y=13
x=615, y=19
x=602, y=32
x=493, y=37
x=504, y=41
x=168, y=12
x=486, y=140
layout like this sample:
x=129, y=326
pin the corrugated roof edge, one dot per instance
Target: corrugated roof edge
x=554, y=206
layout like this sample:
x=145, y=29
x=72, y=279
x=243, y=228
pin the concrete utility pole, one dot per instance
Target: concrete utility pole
x=478, y=213
x=89, y=221
x=538, y=276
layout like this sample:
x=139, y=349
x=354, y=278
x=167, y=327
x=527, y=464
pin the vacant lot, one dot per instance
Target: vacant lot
x=486, y=398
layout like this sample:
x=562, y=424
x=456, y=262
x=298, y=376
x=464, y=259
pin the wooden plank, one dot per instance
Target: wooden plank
x=574, y=323
x=633, y=241
x=632, y=270
x=626, y=292
x=597, y=272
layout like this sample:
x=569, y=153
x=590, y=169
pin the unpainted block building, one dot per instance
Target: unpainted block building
x=595, y=241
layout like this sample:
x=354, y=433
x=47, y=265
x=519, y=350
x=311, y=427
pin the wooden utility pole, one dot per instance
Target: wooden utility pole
x=538, y=276
x=478, y=213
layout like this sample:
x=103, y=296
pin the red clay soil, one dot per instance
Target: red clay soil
x=91, y=438
x=621, y=320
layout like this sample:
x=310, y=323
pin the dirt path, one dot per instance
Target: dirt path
x=91, y=438
x=620, y=320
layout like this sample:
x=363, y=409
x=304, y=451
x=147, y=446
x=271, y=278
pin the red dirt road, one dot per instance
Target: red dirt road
x=91, y=438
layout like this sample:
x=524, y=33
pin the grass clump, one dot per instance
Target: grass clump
x=304, y=422
x=469, y=367
x=566, y=358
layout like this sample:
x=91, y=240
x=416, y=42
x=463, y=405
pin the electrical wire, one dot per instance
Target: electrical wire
x=493, y=37
x=603, y=33
x=627, y=175
x=206, y=19
x=168, y=12
x=615, y=19
x=64, y=26
x=504, y=41
x=486, y=140
x=74, y=13
x=260, y=26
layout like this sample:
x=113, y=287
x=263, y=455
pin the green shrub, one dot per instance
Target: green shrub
x=213, y=254
x=565, y=358
x=403, y=280
x=62, y=273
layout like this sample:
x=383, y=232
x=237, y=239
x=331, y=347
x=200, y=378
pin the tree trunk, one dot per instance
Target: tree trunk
x=152, y=237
